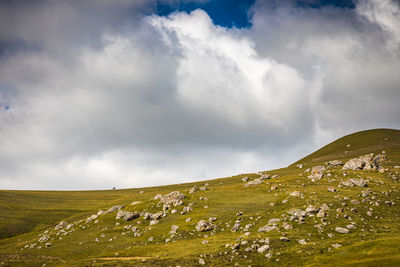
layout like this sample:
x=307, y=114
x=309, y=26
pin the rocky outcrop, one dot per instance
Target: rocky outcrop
x=366, y=162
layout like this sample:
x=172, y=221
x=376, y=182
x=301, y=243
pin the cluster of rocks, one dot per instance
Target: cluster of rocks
x=174, y=198
x=366, y=162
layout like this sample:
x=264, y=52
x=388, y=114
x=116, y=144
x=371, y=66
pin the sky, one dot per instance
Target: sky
x=131, y=93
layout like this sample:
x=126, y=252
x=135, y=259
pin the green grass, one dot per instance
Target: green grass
x=26, y=214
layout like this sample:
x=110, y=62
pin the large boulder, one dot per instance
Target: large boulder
x=366, y=162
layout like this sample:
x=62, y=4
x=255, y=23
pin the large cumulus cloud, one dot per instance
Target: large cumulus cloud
x=133, y=99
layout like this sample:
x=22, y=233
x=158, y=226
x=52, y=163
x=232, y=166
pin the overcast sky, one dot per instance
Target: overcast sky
x=131, y=93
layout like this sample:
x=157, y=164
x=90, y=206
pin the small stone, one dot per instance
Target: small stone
x=341, y=230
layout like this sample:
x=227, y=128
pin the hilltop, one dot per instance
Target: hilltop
x=336, y=206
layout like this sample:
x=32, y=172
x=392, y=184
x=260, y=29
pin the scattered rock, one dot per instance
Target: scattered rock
x=60, y=225
x=194, y=189
x=254, y=182
x=341, y=230
x=202, y=262
x=265, y=177
x=126, y=215
x=203, y=226
x=331, y=189
x=267, y=228
x=335, y=163
x=302, y=242
x=114, y=208
x=366, y=162
x=263, y=249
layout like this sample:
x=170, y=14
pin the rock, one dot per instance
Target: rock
x=321, y=214
x=287, y=226
x=351, y=227
x=254, y=182
x=298, y=213
x=312, y=209
x=300, y=166
x=275, y=176
x=295, y=193
x=212, y=219
x=166, y=207
x=331, y=189
x=273, y=221
x=135, y=203
x=146, y=215
x=44, y=238
x=267, y=228
x=157, y=197
x=336, y=245
x=202, y=262
x=268, y=255
x=203, y=226
x=157, y=215
x=60, y=225
x=341, y=230
x=153, y=222
x=91, y=218
x=188, y=219
x=174, y=198
x=366, y=162
x=355, y=182
x=335, y=163
x=245, y=179
x=239, y=213
x=284, y=238
x=114, y=208
x=302, y=242
x=263, y=249
x=317, y=172
x=48, y=244
x=265, y=177
x=194, y=189
x=126, y=215
x=359, y=182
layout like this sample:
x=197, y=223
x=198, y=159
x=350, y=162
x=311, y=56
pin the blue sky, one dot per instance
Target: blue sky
x=237, y=13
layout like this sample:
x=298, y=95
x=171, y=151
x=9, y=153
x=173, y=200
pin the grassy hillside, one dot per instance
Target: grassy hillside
x=373, y=240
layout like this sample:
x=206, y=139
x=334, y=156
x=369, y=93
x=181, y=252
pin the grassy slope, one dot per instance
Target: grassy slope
x=376, y=241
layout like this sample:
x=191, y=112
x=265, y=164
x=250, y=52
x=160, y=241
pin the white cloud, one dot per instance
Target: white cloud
x=171, y=99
